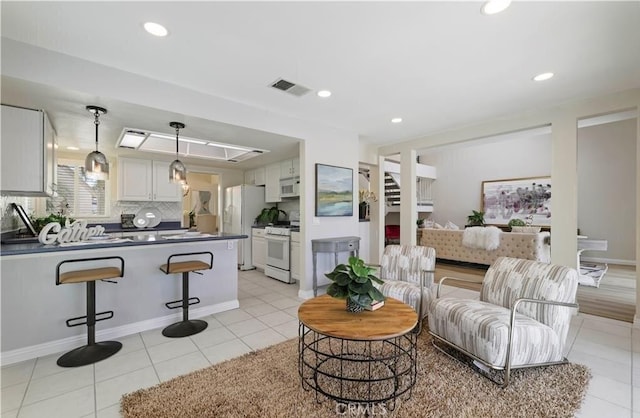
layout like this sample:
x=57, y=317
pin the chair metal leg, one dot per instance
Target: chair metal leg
x=187, y=326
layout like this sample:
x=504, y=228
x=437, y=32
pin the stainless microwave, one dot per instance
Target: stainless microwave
x=289, y=187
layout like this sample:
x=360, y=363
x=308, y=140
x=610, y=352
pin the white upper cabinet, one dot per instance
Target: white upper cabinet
x=28, y=152
x=146, y=180
x=272, y=184
x=255, y=177
x=290, y=168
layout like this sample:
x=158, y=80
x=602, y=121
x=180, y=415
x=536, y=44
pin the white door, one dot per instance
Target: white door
x=227, y=214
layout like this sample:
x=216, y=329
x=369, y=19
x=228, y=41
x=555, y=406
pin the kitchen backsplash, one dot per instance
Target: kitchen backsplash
x=170, y=211
x=288, y=205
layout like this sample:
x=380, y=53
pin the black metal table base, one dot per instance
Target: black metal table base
x=184, y=328
x=89, y=354
x=370, y=374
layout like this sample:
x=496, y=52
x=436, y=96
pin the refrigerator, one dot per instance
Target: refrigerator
x=242, y=204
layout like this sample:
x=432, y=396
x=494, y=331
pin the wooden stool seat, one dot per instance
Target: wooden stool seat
x=184, y=266
x=88, y=275
x=93, y=351
x=187, y=326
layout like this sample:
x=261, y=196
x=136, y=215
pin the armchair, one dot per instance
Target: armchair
x=521, y=320
x=407, y=271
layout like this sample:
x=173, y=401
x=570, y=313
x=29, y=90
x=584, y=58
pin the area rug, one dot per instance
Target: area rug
x=266, y=383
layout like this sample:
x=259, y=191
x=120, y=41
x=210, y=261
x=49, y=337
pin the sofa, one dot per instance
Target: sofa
x=448, y=246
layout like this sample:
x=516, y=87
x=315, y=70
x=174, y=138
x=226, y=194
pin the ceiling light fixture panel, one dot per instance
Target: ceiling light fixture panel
x=493, y=7
x=156, y=29
x=543, y=77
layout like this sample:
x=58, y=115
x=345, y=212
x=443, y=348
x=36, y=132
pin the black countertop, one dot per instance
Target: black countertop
x=31, y=247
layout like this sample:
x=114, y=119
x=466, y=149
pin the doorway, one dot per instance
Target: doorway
x=200, y=204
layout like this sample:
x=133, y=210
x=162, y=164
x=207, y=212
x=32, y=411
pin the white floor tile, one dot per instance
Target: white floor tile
x=292, y=311
x=225, y=351
x=607, y=327
x=181, y=365
x=603, y=367
x=288, y=329
x=47, y=366
x=175, y=348
x=252, y=301
x=77, y=403
x=17, y=373
x=121, y=364
x=263, y=339
x=247, y=327
x=636, y=399
x=54, y=385
x=154, y=337
x=111, y=412
x=110, y=391
x=270, y=297
x=593, y=407
x=277, y=318
x=261, y=309
x=610, y=390
x=599, y=337
x=603, y=351
x=208, y=337
x=285, y=303
x=130, y=343
x=12, y=396
x=235, y=315
x=9, y=414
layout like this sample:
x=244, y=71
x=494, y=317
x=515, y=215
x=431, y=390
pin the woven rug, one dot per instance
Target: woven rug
x=266, y=383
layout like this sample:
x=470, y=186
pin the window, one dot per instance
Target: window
x=78, y=195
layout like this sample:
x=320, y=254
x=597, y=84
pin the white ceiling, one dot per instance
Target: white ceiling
x=438, y=65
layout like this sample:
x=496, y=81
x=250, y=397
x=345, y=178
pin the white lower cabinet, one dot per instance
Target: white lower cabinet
x=258, y=248
x=295, y=255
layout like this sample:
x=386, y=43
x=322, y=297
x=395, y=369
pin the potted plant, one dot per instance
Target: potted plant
x=476, y=218
x=354, y=282
x=516, y=222
x=269, y=215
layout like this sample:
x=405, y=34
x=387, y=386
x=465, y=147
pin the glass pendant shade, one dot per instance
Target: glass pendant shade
x=96, y=165
x=177, y=170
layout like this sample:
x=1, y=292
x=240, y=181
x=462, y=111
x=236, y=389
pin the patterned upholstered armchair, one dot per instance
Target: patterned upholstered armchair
x=407, y=271
x=521, y=319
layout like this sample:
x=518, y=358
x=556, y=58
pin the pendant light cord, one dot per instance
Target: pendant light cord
x=177, y=133
x=96, y=122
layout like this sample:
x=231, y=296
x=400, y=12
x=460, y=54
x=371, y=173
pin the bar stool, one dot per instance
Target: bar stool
x=185, y=327
x=93, y=351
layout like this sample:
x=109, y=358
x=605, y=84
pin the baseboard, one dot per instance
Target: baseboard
x=69, y=343
x=609, y=261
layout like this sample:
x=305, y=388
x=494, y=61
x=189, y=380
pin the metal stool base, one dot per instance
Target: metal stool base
x=89, y=354
x=184, y=328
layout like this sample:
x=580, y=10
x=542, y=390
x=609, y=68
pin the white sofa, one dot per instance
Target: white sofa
x=448, y=246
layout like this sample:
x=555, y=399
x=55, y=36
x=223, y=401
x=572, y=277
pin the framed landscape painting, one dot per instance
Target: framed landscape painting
x=334, y=191
x=527, y=199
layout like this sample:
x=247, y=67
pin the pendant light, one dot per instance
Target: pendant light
x=177, y=170
x=96, y=165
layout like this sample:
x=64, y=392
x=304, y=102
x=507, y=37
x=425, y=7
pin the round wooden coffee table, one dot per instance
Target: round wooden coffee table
x=366, y=358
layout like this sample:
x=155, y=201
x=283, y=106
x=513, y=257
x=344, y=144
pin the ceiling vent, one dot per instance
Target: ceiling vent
x=291, y=88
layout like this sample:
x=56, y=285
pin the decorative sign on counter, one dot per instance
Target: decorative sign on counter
x=76, y=231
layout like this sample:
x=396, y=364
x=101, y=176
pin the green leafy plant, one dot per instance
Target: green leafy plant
x=516, y=222
x=41, y=222
x=269, y=215
x=355, y=282
x=476, y=218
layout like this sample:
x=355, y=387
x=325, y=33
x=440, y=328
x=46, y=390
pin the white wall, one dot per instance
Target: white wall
x=463, y=167
x=607, y=187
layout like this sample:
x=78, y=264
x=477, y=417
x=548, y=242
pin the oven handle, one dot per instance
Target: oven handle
x=280, y=238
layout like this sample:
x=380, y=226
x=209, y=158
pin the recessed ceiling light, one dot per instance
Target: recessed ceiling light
x=494, y=6
x=155, y=29
x=396, y=120
x=324, y=93
x=543, y=77
x=73, y=148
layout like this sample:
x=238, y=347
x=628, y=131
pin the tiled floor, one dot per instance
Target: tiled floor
x=267, y=315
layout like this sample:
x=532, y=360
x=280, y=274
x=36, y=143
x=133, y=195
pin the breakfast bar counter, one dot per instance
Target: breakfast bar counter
x=34, y=309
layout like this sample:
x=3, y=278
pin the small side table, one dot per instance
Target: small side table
x=335, y=246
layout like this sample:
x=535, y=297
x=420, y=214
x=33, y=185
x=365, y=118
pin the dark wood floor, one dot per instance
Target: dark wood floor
x=615, y=298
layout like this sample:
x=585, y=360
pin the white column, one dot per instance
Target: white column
x=408, y=197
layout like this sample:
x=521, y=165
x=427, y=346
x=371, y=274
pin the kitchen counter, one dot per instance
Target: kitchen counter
x=34, y=310
x=31, y=245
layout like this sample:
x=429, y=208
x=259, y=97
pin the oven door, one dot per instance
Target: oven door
x=278, y=251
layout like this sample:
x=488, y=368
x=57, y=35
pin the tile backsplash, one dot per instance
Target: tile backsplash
x=170, y=211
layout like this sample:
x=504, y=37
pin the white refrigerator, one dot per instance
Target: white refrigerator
x=242, y=204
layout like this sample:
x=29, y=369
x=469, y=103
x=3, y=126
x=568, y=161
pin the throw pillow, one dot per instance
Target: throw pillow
x=526, y=229
x=451, y=225
x=436, y=225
